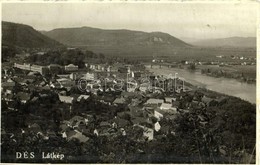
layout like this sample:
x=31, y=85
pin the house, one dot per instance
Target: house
x=121, y=123
x=84, y=97
x=166, y=106
x=62, y=80
x=136, y=102
x=26, y=81
x=101, y=67
x=46, y=87
x=63, y=92
x=157, y=126
x=76, y=135
x=89, y=76
x=76, y=119
x=92, y=66
x=147, y=132
x=107, y=99
x=144, y=87
x=112, y=69
x=158, y=114
x=71, y=67
x=131, y=87
x=56, y=85
x=123, y=132
x=24, y=97
x=9, y=97
x=35, y=68
x=7, y=89
x=119, y=101
x=66, y=99
x=164, y=111
x=104, y=124
x=209, y=101
x=106, y=132
x=153, y=101
x=41, y=69
x=73, y=76
x=123, y=69
x=66, y=83
x=41, y=83
x=137, y=74
x=142, y=121
x=55, y=68
x=170, y=99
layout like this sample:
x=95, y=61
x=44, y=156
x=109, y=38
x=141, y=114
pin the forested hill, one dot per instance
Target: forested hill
x=122, y=43
x=24, y=36
x=94, y=36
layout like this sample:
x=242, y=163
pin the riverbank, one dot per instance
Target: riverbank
x=223, y=85
x=241, y=73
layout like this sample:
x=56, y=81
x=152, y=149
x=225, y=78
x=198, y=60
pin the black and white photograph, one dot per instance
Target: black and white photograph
x=129, y=82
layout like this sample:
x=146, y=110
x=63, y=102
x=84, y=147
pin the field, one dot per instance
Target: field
x=171, y=54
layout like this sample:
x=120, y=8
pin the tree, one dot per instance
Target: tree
x=192, y=66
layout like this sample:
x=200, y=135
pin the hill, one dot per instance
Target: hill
x=118, y=42
x=228, y=42
x=24, y=36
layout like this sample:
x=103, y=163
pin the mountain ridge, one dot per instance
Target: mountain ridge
x=74, y=36
x=234, y=41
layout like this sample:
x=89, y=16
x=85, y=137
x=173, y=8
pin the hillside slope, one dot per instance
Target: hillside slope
x=118, y=42
x=228, y=42
x=20, y=35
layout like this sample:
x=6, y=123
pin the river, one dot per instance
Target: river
x=223, y=85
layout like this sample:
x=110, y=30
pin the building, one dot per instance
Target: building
x=170, y=99
x=90, y=76
x=55, y=68
x=158, y=114
x=166, y=106
x=23, y=66
x=137, y=74
x=76, y=135
x=41, y=69
x=208, y=101
x=71, y=67
x=147, y=132
x=35, y=68
x=119, y=101
x=23, y=97
x=66, y=99
x=153, y=101
x=123, y=69
x=85, y=97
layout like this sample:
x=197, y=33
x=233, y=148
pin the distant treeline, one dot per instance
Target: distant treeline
x=65, y=57
x=229, y=74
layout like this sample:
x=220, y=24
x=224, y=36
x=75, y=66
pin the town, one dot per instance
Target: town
x=129, y=82
x=116, y=112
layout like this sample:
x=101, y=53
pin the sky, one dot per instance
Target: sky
x=182, y=20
